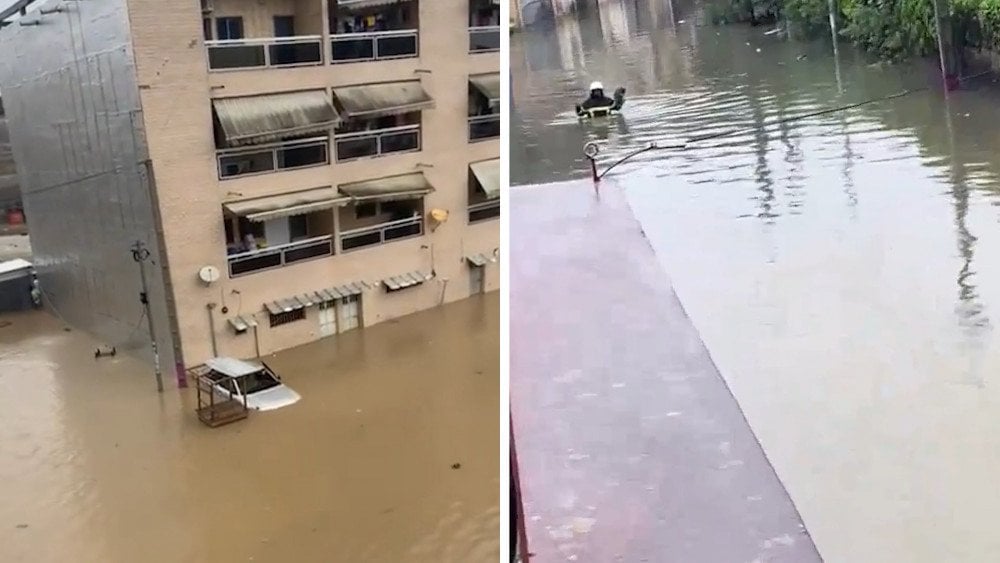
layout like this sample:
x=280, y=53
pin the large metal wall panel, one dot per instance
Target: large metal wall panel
x=9, y=194
x=72, y=104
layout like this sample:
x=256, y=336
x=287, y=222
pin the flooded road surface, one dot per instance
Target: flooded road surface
x=95, y=466
x=843, y=270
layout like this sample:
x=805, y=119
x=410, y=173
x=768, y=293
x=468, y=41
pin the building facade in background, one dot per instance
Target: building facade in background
x=296, y=168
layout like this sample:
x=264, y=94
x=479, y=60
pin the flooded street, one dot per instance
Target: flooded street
x=842, y=270
x=390, y=456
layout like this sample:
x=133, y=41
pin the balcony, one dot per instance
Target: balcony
x=374, y=46
x=280, y=255
x=377, y=142
x=270, y=52
x=382, y=233
x=484, y=211
x=483, y=127
x=273, y=157
x=484, y=39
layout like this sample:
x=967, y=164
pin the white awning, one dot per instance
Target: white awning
x=285, y=205
x=403, y=281
x=359, y=4
x=489, y=86
x=387, y=98
x=487, y=172
x=478, y=260
x=252, y=120
x=242, y=323
x=342, y=291
x=392, y=188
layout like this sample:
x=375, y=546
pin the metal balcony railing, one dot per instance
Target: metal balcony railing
x=232, y=54
x=484, y=211
x=382, y=233
x=374, y=46
x=484, y=127
x=273, y=157
x=484, y=39
x=280, y=255
x=377, y=142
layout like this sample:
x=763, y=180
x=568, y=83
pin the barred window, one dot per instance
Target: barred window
x=288, y=317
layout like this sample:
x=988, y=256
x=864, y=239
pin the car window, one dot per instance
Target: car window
x=259, y=381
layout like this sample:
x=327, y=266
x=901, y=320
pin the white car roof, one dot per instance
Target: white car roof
x=233, y=367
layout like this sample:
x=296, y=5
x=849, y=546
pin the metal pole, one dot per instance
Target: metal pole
x=140, y=254
x=942, y=56
x=211, y=327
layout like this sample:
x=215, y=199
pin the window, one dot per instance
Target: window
x=229, y=28
x=287, y=317
x=298, y=227
x=365, y=210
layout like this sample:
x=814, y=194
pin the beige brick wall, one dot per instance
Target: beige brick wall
x=176, y=90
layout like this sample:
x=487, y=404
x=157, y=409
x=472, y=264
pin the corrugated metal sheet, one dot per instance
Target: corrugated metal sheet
x=403, y=281
x=487, y=172
x=387, y=98
x=242, y=323
x=284, y=205
x=478, y=260
x=392, y=188
x=342, y=291
x=253, y=120
x=489, y=86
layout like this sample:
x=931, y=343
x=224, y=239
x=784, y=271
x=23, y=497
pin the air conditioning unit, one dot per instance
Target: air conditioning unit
x=207, y=6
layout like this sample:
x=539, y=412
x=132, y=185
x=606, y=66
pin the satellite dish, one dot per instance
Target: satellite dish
x=439, y=215
x=209, y=274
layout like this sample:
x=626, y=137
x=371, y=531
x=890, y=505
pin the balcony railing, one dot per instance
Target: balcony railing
x=484, y=39
x=374, y=46
x=279, y=255
x=378, y=142
x=270, y=158
x=232, y=54
x=484, y=211
x=382, y=233
x=484, y=127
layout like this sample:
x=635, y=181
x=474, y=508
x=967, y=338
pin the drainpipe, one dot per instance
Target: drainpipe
x=256, y=341
x=211, y=327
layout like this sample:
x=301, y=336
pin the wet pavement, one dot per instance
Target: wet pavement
x=392, y=454
x=630, y=447
x=842, y=270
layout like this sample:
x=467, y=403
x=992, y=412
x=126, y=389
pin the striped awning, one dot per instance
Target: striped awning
x=286, y=305
x=311, y=298
x=285, y=205
x=489, y=86
x=478, y=260
x=487, y=173
x=253, y=120
x=241, y=323
x=377, y=100
x=392, y=188
x=403, y=281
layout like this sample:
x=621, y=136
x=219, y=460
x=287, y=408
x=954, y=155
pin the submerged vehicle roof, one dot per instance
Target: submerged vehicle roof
x=233, y=367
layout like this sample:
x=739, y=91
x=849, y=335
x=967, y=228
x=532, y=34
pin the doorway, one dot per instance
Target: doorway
x=477, y=279
x=327, y=318
x=350, y=313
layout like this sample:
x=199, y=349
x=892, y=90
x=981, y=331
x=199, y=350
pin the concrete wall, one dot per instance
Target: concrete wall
x=176, y=92
x=76, y=128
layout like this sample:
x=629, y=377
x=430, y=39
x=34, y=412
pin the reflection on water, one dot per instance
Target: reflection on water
x=843, y=268
x=95, y=466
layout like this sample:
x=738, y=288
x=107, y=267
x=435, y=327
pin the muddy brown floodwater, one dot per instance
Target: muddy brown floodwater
x=842, y=270
x=95, y=466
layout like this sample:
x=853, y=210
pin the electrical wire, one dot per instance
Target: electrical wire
x=737, y=130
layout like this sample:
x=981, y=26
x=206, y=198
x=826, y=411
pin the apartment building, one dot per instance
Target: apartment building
x=296, y=168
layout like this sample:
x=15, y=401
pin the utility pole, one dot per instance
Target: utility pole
x=140, y=254
x=946, y=45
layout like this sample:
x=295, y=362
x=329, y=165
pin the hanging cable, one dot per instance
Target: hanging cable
x=591, y=148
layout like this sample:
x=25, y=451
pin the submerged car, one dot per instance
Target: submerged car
x=253, y=382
